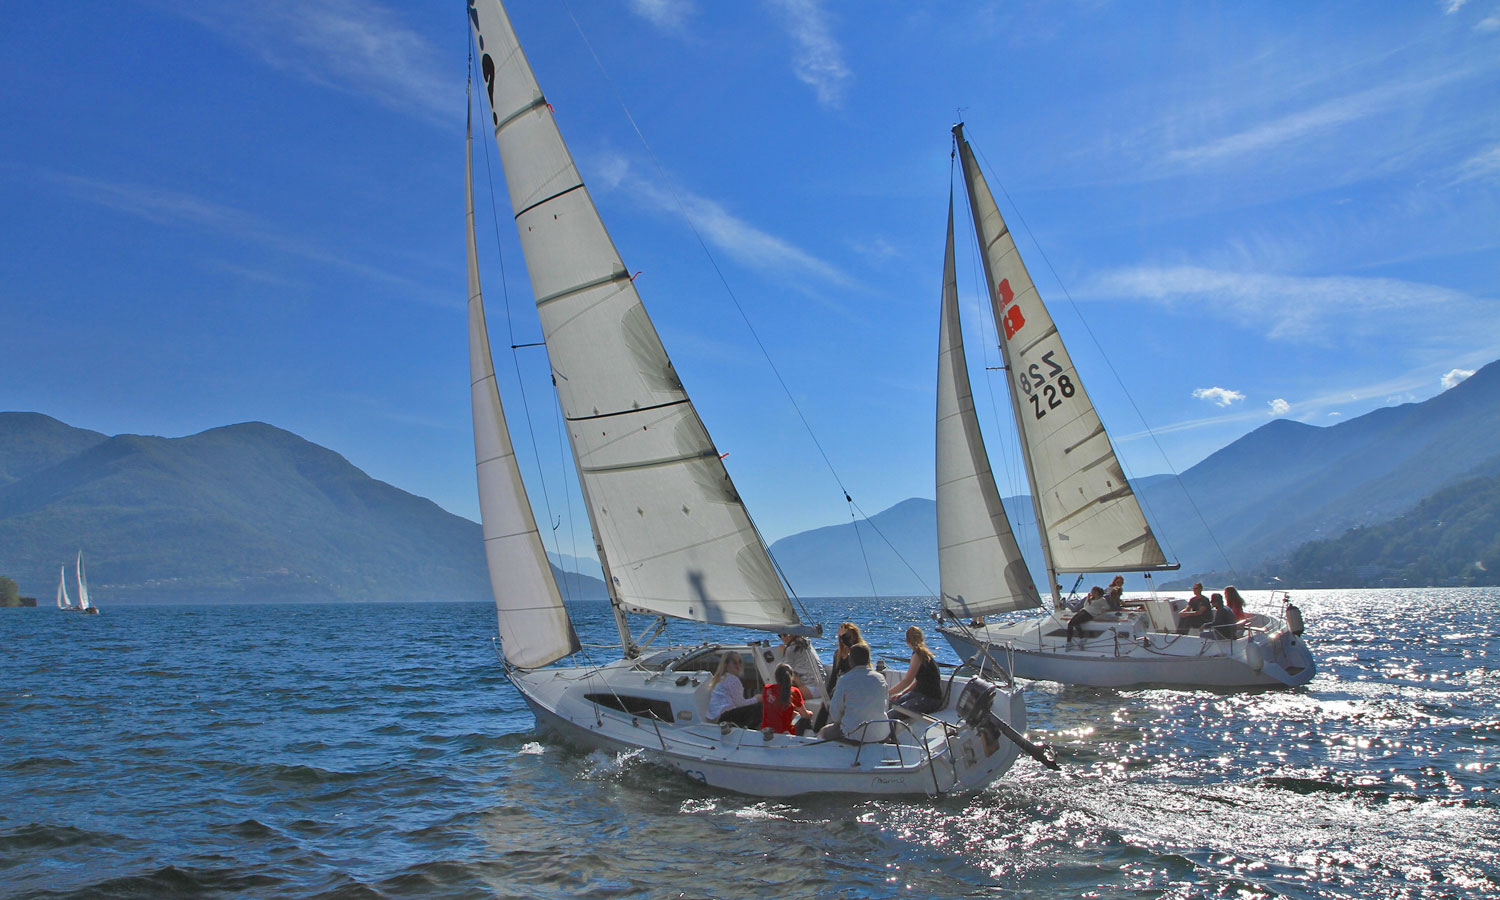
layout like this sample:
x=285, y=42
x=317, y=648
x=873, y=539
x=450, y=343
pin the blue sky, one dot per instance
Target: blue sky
x=221, y=212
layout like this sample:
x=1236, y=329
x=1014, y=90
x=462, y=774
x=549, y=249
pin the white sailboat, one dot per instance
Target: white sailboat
x=84, y=606
x=63, y=600
x=674, y=539
x=1087, y=514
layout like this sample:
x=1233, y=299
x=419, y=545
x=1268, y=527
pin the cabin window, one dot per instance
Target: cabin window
x=635, y=706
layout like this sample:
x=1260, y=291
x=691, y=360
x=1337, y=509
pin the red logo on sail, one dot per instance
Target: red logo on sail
x=1012, y=319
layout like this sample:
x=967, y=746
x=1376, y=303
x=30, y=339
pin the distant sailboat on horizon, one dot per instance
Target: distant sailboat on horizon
x=83, y=591
x=84, y=605
x=63, y=600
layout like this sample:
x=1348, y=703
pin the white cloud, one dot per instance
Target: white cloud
x=819, y=62
x=670, y=15
x=1218, y=396
x=1454, y=376
x=1313, y=309
x=1335, y=414
x=355, y=47
x=1483, y=165
x=718, y=226
x=1488, y=23
x=1313, y=121
x=1452, y=6
x=1279, y=407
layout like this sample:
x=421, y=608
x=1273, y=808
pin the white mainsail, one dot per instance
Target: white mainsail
x=1088, y=515
x=63, y=600
x=672, y=533
x=534, y=624
x=83, y=587
x=979, y=563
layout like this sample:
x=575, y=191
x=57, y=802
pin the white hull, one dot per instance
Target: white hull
x=1120, y=652
x=929, y=756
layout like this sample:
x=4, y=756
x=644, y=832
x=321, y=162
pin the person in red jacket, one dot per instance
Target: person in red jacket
x=781, y=703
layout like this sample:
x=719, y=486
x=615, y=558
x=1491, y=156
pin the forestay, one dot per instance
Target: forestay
x=671, y=530
x=534, y=625
x=1090, y=518
x=979, y=563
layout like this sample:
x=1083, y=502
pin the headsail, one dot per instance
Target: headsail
x=534, y=625
x=979, y=563
x=673, y=535
x=1090, y=518
x=63, y=600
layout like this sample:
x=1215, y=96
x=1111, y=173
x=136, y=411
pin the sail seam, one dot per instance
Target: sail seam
x=1028, y=348
x=501, y=537
x=620, y=275
x=1098, y=430
x=538, y=103
x=650, y=463
x=548, y=199
x=626, y=412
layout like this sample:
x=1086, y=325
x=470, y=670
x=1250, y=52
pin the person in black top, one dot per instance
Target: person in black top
x=1224, y=623
x=848, y=636
x=923, y=684
x=1198, y=612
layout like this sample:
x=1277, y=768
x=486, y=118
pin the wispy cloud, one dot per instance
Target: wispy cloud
x=1455, y=376
x=1218, y=396
x=819, y=61
x=1480, y=166
x=1295, y=308
x=1452, y=6
x=171, y=208
x=668, y=15
x=1279, y=407
x=1313, y=121
x=718, y=226
x=1488, y=24
x=354, y=47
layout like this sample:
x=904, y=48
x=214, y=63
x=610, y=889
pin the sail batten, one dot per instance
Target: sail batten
x=1108, y=531
x=696, y=556
x=979, y=563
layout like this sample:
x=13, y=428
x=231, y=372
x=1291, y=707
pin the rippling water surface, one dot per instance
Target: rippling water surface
x=378, y=751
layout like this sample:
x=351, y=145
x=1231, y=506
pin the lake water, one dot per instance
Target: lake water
x=378, y=751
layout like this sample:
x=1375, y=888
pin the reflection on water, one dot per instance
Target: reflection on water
x=379, y=751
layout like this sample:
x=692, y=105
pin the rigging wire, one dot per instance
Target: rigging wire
x=1118, y=380
x=723, y=280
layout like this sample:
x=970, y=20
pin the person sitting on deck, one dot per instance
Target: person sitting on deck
x=858, y=707
x=1223, y=625
x=727, y=701
x=1114, y=594
x=922, y=678
x=781, y=705
x=1235, y=602
x=1198, y=612
x=1094, y=605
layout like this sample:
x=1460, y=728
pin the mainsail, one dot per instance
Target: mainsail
x=534, y=625
x=83, y=587
x=672, y=533
x=1088, y=514
x=980, y=565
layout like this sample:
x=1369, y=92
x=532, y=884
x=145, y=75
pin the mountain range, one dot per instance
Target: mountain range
x=1244, y=508
x=250, y=512
x=241, y=513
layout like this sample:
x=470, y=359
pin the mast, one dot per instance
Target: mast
x=1087, y=514
x=672, y=532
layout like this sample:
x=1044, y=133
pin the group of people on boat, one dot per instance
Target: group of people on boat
x=856, y=696
x=1218, y=616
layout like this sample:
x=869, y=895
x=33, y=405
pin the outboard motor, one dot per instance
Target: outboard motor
x=1293, y=618
x=975, y=707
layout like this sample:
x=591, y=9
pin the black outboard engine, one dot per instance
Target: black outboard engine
x=974, y=707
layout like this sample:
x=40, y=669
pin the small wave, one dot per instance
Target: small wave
x=170, y=881
x=532, y=748
x=36, y=835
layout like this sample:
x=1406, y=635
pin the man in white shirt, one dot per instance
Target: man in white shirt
x=858, y=708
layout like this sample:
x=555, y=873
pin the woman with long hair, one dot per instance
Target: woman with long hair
x=1235, y=602
x=781, y=702
x=921, y=689
x=848, y=636
x=726, y=699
